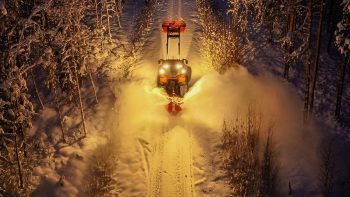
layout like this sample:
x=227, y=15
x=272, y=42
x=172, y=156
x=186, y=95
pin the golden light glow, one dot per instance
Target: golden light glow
x=161, y=71
x=179, y=66
x=166, y=66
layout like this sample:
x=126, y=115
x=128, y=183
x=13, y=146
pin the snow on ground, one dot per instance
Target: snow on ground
x=63, y=172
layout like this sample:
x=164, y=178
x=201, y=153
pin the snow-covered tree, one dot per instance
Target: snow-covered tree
x=105, y=11
x=16, y=113
x=223, y=49
x=343, y=31
x=342, y=38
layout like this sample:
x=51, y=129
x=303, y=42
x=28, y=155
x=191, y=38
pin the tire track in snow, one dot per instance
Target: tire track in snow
x=156, y=168
x=171, y=165
x=191, y=162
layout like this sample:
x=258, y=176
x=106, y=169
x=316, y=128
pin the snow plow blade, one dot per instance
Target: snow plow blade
x=173, y=108
x=174, y=26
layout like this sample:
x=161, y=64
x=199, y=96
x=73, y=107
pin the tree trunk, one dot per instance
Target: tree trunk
x=102, y=34
x=80, y=100
x=119, y=23
x=340, y=88
x=331, y=25
x=36, y=90
x=291, y=28
x=316, y=62
x=270, y=39
x=19, y=165
x=108, y=21
x=97, y=17
x=330, y=16
x=60, y=120
x=93, y=86
x=290, y=189
x=307, y=65
x=23, y=135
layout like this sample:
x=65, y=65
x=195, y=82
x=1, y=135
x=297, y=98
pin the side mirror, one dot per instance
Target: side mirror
x=185, y=61
x=160, y=61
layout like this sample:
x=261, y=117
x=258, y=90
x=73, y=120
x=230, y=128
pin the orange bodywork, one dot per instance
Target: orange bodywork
x=164, y=79
x=181, y=79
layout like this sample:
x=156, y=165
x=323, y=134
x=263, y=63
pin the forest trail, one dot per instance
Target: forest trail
x=170, y=161
x=155, y=149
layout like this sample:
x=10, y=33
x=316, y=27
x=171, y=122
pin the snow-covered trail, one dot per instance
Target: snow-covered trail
x=170, y=161
x=155, y=149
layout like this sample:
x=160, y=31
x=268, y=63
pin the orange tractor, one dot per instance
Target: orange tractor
x=174, y=74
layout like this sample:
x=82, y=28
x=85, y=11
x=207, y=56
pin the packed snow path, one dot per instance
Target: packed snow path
x=171, y=165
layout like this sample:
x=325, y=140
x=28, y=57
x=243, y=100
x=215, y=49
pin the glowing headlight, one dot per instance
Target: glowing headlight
x=179, y=66
x=183, y=71
x=166, y=66
x=161, y=71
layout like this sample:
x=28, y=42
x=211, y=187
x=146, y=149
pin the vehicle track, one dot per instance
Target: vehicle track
x=171, y=165
x=156, y=167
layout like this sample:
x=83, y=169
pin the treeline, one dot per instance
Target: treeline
x=302, y=30
x=55, y=43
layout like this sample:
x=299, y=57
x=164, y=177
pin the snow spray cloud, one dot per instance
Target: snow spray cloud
x=141, y=107
x=215, y=98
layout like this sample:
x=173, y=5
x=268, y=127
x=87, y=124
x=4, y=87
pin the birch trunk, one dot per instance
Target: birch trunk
x=80, y=100
x=93, y=87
